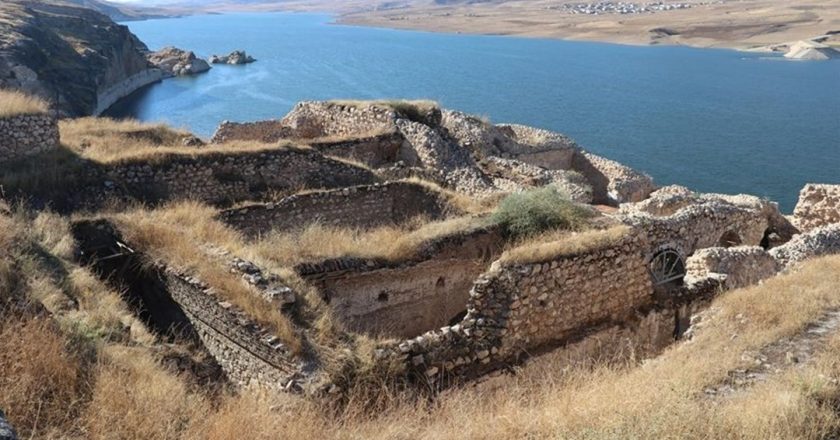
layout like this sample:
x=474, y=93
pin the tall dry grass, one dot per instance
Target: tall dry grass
x=318, y=242
x=561, y=243
x=15, y=103
x=106, y=140
x=42, y=380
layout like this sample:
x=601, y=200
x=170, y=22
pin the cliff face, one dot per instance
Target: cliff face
x=72, y=56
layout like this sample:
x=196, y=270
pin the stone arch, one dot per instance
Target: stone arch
x=729, y=238
x=667, y=268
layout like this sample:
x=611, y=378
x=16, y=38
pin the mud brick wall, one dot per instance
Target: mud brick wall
x=24, y=135
x=356, y=207
x=406, y=299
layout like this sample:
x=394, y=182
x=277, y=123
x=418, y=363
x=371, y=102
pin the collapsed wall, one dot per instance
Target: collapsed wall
x=366, y=206
x=27, y=134
x=472, y=155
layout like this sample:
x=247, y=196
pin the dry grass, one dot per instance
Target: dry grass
x=391, y=243
x=134, y=398
x=42, y=382
x=560, y=243
x=15, y=103
x=105, y=140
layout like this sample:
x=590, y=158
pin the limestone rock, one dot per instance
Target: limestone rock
x=236, y=57
x=818, y=205
x=178, y=62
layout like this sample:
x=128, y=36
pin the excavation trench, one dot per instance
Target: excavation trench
x=143, y=287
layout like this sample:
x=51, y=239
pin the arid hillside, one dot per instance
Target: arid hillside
x=738, y=24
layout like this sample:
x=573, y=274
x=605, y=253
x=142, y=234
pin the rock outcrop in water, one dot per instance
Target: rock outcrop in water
x=178, y=62
x=235, y=57
x=77, y=58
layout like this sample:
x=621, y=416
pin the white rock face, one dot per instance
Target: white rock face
x=178, y=62
x=810, y=50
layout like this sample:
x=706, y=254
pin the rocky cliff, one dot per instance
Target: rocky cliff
x=77, y=58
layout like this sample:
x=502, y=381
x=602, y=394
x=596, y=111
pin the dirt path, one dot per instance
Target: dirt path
x=777, y=357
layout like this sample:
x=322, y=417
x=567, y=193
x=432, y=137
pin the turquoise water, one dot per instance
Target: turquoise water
x=712, y=120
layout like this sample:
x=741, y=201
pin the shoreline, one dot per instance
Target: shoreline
x=722, y=25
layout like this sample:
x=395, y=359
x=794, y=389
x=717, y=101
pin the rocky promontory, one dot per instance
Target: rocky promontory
x=235, y=57
x=76, y=58
x=177, y=62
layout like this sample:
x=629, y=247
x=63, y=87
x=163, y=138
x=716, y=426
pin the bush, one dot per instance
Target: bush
x=531, y=212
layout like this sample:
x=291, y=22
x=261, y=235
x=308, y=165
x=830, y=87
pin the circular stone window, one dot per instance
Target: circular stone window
x=667, y=267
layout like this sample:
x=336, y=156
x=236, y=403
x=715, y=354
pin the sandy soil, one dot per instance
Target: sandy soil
x=740, y=24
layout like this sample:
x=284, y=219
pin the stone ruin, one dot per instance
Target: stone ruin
x=458, y=308
x=28, y=134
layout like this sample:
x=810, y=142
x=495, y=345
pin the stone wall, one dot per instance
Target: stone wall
x=24, y=135
x=824, y=240
x=517, y=309
x=224, y=178
x=355, y=207
x=375, y=151
x=408, y=298
x=818, y=205
x=108, y=96
x=310, y=120
x=248, y=354
x=687, y=222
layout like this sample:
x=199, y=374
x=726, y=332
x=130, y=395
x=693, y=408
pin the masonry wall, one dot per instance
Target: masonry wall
x=518, y=309
x=374, y=151
x=356, y=207
x=407, y=299
x=24, y=135
x=225, y=178
x=699, y=226
x=248, y=354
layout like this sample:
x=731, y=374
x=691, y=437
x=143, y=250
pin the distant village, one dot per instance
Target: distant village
x=608, y=7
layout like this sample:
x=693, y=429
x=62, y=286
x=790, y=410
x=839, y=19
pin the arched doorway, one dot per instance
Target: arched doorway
x=729, y=238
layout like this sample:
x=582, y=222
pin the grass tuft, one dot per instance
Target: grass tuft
x=15, y=103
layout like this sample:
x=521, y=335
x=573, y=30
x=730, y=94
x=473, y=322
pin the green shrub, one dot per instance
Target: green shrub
x=537, y=210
